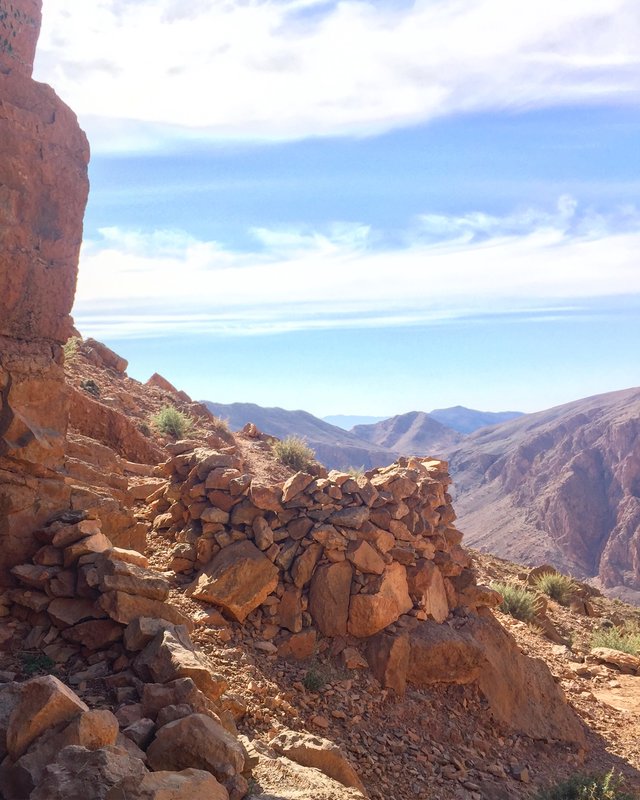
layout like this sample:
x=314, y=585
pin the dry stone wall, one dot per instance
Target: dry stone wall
x=330, y=555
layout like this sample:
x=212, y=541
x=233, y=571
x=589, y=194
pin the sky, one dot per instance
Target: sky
x=360, y=207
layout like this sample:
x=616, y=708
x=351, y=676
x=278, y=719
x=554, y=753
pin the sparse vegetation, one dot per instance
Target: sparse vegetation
x=356, y=472
x=517, y=601
x=90, y=386
x=315, y=678
x=220, y=426
x=70, y=347
x=626, y=639
x=294, y=452
x=587, y=787
x=172, y=422
x=557, y=586
x=36, y=664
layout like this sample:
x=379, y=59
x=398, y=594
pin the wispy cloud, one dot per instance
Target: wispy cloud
x=144, y=73
x=536, y=263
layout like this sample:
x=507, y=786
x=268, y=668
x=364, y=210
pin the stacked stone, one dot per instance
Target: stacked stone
x=335, y=553
x=79, y=592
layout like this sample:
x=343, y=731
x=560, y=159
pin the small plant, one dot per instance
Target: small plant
x=356, y=472
x=558, y=587
x=144, y=429
x=172, y=422
x=36, y=664
x=295, y=453
x=91, y=387
x=587, y=787
x=625, y=639
x=220, y=426
x=70, y=347
x=516, y=601
x=315, y=679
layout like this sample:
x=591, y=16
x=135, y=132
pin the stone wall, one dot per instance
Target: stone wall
x=334, y=555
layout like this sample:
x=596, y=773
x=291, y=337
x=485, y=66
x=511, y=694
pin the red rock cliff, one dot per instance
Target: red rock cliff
x=43, y=192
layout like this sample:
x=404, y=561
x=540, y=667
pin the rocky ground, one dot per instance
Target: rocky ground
x=436, y=742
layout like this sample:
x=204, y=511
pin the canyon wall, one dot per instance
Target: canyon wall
x=43, y=192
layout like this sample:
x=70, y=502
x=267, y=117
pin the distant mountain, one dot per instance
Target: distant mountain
x=334, y=447
x=415, y=433
x=468, y=420
x=559, y=486
x=347, y=422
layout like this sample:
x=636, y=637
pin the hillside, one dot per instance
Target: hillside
x=561, y=486
x=415, y=433
x=334, y=447
x=468, y=420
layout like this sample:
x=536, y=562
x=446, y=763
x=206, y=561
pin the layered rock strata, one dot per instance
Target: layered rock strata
x=43, y=192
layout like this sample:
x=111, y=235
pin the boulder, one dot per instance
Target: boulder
x=365, y=558
x=124, y=608
x=183, y=691
x=294, y=485
x=354, y=517
x=388, y=658
x=198, y=742
x=329, y=597
x=314, y=751
x=304, y=565
x=43, y=703
x=237, y=579
x=426, y=587
x=625, y=662
x=167, y=658
x=122, y=576
x=139, y=632
x=189, y=784
x=371, y=613
x=79, y=774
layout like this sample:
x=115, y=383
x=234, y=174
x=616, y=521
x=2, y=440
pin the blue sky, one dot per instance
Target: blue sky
x=358, y=207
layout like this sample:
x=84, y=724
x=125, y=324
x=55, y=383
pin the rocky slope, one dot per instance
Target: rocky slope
x=561, y=486
x=335, y=447
x=468, y=420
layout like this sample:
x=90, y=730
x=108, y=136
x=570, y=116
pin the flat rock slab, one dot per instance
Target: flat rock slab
x=237, y=579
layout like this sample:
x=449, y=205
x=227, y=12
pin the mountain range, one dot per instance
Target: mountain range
x=366, y=446
x=559, y=486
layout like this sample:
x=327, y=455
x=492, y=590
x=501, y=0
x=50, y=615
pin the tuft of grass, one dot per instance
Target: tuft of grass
x=558, y=587
x=356, y=472
x=517, y=602
x=294, y=452
x=36, y=664
x=70, y=347
x=172, y=422
x=316, y=678
x=220, y=426
x=625, y=639
x=587, y=787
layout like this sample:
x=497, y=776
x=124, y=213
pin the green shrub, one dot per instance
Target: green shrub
x=295, y=453
x=70, y=347
x=316, y=677
x=558, y=587
x=625, y=639
x=36, y=664
x=172, y=422
x=517, y=601
x=587, y=787
x=221, y=426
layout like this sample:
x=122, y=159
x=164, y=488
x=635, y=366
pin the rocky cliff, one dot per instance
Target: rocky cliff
x=43, y=191
x=561, y=486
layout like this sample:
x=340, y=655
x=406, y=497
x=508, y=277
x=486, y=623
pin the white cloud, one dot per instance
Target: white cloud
x=533, y=263
x=140, y=72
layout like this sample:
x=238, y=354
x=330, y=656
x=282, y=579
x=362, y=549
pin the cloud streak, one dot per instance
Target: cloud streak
x=143, y=74
x=538, y=264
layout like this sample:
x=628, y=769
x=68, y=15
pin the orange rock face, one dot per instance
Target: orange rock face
x=43, y=191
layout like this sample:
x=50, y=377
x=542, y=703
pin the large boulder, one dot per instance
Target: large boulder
x=371, y=613
x=237, y=579
x=199, y=742
x=329, y=597
x=190, y=784
x=314, y=751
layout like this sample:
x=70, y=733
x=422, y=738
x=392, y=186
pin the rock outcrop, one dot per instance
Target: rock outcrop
x=43, y=191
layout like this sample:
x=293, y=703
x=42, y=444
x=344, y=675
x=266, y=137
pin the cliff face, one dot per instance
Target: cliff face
x=43, y=192
x=562, y=486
